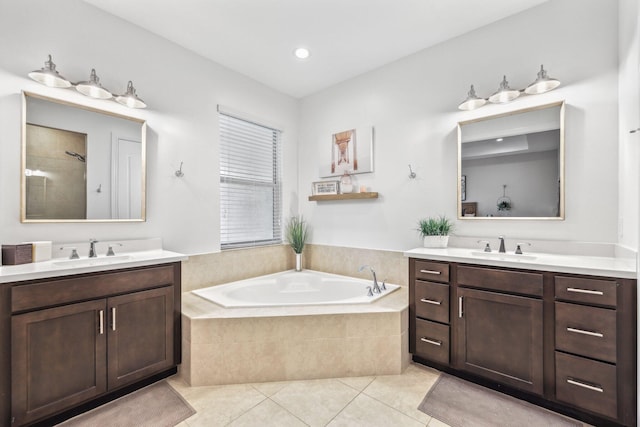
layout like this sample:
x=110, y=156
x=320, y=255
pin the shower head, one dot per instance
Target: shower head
x=76, y=155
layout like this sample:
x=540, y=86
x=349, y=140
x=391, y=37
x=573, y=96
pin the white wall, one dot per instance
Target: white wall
x=182, y=91
x=413, y=105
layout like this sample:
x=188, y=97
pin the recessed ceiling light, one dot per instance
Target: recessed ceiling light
x=301, y=53
x=499, y=139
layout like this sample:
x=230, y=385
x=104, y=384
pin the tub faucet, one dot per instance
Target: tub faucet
x=501, y=250
x=376, y=287
x=92, y=248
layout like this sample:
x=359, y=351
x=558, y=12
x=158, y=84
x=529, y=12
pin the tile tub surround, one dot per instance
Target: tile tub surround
x=245, y=345
x=205, y=270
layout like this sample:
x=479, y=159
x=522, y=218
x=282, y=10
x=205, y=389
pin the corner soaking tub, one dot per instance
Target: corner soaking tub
x=293, y=288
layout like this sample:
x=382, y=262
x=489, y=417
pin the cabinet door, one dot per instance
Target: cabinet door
x=140, y=335
x=500, y=338
x=58, y=359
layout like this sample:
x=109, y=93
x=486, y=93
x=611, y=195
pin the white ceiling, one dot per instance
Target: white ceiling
x=346, y=37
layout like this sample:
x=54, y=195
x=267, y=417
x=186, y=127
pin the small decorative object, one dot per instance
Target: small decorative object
x=504, y=202
x=17, y=254
x=296, y=235
x=326, y=187
x=346, y=185
x=435, y=231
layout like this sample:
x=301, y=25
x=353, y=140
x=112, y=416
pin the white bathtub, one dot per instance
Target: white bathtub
x=293, y=288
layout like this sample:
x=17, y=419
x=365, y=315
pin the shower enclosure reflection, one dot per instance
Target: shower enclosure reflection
x=80, y=164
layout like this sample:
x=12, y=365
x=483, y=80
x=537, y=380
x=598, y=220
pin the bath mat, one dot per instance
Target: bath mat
x=157, y=405
x=461, y=403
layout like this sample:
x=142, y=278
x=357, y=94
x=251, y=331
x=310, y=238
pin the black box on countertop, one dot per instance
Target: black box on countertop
x=17, y=254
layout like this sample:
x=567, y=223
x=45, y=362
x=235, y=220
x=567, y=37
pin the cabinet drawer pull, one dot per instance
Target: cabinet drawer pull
x=583, y=332
x=584, y=291
x=101, y=317
x=427, y=340
x=460, y=307
x=430, y=301
x=113, y=318
x=430, y=272
x=583, y=385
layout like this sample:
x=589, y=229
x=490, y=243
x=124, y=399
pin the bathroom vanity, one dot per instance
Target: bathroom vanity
x=81, y=333
x=558, y=334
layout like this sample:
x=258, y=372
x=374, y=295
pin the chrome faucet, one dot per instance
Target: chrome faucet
x=376, y=287
x=92, y=248
x=501, y=250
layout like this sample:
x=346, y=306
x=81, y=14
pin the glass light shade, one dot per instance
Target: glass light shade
x=130, y=99
x=543, y=83
x=504, y=93
x=472, y=102
x=93, y=88
x=49, y=76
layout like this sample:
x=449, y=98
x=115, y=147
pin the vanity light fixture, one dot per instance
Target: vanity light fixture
x=130, y=99
x=505, y=94
x=48, y=76
x=93, y=88
x=543, y=83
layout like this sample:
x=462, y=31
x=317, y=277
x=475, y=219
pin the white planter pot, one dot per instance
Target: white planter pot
x=436, y=241
x=298, y=262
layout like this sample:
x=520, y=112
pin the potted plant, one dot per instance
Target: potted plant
x=435, y=231
x=296, y=235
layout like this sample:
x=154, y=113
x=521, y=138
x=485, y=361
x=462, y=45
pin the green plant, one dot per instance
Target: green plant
x=504, y=205
x=433, y=226
x=296, y=233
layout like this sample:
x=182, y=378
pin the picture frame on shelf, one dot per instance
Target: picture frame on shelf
x=326, y=187
x=350, y=151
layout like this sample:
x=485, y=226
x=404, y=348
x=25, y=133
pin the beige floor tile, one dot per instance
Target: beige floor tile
x=315, y=402
x=267, y=413
x=366, y=411
x=359, y=383
x=437, y=423
x=220, y=405
x=404, y=392
x=271, y=388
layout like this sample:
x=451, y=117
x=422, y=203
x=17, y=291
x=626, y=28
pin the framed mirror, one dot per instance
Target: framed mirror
x=512, y=165
x=80, y=164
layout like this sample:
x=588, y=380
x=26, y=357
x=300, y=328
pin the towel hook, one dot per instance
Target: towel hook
x=179, y=172
x=412, y=174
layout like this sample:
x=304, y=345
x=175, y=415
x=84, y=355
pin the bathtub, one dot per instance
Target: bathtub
x=293, y=288
x=269, y=336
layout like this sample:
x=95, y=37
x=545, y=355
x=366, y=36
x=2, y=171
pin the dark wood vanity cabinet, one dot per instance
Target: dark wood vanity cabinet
x=94, y=334
x=562, y=341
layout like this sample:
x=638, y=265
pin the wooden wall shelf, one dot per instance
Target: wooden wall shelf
x=347, y=196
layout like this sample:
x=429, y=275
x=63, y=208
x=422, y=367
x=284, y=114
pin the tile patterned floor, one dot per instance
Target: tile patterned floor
x=384, y=401
x=389, y=400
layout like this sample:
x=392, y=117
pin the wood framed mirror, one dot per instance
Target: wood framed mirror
x=511, y=165
x=80, y=164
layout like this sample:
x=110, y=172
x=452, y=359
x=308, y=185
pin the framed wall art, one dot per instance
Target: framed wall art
x=326, y=187
x=350, y=151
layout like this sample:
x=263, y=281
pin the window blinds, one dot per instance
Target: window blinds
x=250, y=183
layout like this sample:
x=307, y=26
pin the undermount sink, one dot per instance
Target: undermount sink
x=503, y=256
x=88, y=262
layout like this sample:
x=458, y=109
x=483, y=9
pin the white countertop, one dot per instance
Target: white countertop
x=151, y=254
x=575, y=264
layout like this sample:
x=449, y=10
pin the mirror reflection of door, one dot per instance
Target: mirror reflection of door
x=56, y=173
x=126, y=161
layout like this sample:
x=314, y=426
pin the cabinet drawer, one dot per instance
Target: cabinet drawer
x=433, y=271
x=590, y=291
x=586, y=384
x=501, y=280
x=432, y=341
x=587, y=331
x=432, y=301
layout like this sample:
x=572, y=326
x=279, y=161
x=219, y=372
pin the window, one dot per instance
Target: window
x=250, y=187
